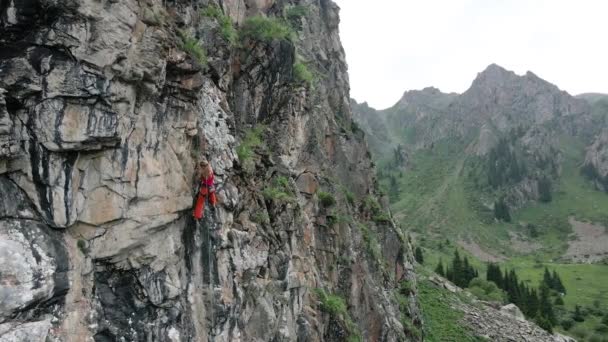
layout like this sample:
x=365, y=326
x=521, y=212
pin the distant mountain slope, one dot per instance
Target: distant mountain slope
x=592, y=97
x=509, y=172
x=483, y=157
x=375, y=127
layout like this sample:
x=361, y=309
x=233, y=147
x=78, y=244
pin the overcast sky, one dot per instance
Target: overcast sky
x=398, y=45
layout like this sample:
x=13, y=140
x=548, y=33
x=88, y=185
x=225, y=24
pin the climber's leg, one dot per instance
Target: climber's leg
x=199, y=208
x=212, y=199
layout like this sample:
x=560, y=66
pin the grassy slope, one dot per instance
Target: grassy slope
x=437, y=203
x=575, y=196
x=584, y=283
x=441, y=321
x=435, y=197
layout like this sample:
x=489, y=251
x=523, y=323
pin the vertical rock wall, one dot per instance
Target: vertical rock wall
x=103, y=116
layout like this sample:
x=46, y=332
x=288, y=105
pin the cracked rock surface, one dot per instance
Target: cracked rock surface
x=103, y=117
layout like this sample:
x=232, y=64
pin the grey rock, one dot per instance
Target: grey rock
x=596, y=161
x=34, y=267
x=103, y=118
x=514, y=311
x=33, y=331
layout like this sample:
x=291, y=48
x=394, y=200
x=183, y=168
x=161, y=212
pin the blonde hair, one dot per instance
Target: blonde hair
x=204, y=169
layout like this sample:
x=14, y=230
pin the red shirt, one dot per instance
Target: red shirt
x=209, y=181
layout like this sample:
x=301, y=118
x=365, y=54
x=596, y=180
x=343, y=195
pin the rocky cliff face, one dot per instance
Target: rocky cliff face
x=596, y=161
x=375, y=127
x=106, y=106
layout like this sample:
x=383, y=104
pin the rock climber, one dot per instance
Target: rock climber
x=206, y=189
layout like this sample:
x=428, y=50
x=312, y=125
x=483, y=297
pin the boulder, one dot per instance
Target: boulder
x=514, y=311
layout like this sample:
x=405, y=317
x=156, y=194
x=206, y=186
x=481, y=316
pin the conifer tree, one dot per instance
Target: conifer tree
x=544, y=324
x=545, y=306
x=501, y=211
x=533, y=303
x=418, y=255
x=466, y=272
x=578, y=315
x=439, y=269
x=457, y=269
x=544, y=189
x=393, y=190
x=449, y=274
x=494, y=274
x=547, y=281
x=557, y=283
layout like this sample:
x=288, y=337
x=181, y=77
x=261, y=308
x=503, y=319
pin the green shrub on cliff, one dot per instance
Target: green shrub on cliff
x=191, y=46
x=279, y=190
x=336, y=307
x=252, y=139
x=331, y=303
x=371, y=242
x=265, y=29
x=227, y=30
x=296, y=12
x=302, y=74
x=326, y=199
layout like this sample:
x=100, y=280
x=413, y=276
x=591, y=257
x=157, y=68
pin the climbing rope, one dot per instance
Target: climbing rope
x=210, y=225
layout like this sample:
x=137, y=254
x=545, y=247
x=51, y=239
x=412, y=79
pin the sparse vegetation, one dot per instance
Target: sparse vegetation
x=265, y=29
x=378, y=215
x=406, y=288
x=382, y=218
x=302, y=74
x=296, y=12
x=486, y=290
x=280, y=190
x=192, y=46
x=332, y=219
x=331, y=303
x=335, y=306
x=349, y=195
x=227, y=29
x=212, y=11
x=252, y=139
x=326, y=199
x=260, y=217
x=371, y=243
x=442, y=322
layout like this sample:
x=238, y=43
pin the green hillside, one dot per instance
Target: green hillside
x=513, y=203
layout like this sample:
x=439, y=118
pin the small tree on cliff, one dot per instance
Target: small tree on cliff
x=418, y=255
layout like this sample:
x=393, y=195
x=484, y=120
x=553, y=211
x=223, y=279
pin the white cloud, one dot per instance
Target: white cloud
x=394, y=46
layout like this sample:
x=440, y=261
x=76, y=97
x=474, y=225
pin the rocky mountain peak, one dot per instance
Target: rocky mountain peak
x=429, y=96
x=497, y=77
x=495, y=70
x=494, y=77
x=509, y=100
